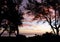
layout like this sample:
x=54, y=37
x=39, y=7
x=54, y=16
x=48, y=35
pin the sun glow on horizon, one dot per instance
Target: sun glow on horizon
x=35, y=29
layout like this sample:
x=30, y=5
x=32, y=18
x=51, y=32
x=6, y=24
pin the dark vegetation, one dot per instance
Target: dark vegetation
x=9, y=16
x=44, y=38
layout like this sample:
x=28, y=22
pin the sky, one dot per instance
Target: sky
x=24, y=2
x=33, y=27
x=30, y=28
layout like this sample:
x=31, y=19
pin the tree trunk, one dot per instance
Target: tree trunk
x=57, y=31
x=17, y=31
x=53, y=30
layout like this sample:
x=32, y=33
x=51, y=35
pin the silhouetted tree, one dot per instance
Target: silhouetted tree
x=53, y=23
x=40, y=8
x=9, y=11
